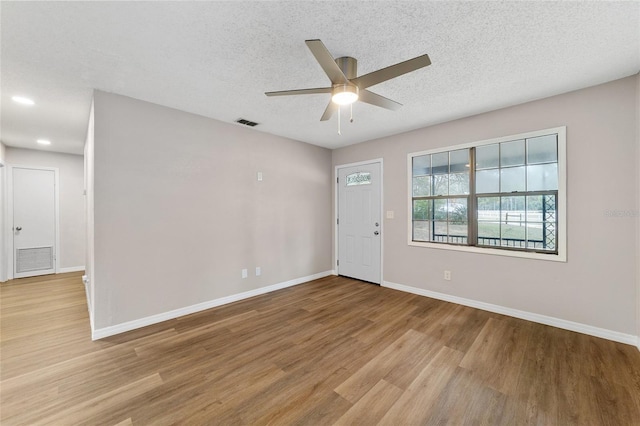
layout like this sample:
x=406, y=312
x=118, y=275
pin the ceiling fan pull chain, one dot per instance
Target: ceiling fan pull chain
x=351, y=120
x=339, y=111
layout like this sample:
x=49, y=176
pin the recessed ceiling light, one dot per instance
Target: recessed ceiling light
x=44, y=142
x=22, y=100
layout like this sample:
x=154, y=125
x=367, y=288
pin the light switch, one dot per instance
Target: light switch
x=389, y=214
x=259, y=176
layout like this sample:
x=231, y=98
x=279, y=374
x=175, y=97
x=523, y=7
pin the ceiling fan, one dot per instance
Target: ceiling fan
x=346, y=87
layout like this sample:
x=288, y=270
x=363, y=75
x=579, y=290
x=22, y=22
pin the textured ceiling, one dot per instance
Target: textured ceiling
x=218, y=58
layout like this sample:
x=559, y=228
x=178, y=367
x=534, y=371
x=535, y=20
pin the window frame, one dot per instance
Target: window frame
x=561, y=203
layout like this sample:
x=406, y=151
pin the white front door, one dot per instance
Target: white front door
x=34, y=221
x=359, y=224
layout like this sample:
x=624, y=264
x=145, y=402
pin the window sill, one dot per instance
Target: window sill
x=560, y=257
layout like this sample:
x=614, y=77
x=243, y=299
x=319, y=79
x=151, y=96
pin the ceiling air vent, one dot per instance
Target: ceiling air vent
x=246, y=122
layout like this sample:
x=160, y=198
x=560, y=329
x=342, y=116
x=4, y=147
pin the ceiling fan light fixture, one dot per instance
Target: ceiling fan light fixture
x=344, y=94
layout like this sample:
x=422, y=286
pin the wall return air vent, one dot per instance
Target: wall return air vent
x=34, y=259
x=247, y=122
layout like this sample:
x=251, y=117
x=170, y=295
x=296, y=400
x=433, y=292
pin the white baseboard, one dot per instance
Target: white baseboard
x=154, y=319
x=529, y=316
x=70, y=269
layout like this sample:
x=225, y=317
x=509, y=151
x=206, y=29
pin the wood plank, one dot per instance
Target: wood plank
x=498, y=352
x=415, y=404
x=410, y=346
x=333, y=350
x=370, y=409
x=78, y=412
x=467, y=400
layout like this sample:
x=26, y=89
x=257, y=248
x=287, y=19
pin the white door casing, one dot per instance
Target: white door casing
x=359, y=221
x=34, y=221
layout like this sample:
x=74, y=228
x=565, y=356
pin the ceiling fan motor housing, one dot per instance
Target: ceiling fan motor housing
x=349, y=66
x=346, y=93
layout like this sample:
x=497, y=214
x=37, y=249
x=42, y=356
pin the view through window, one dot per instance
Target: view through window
x=501, y=194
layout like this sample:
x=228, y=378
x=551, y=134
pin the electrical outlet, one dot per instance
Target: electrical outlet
x=390, y=214
x=447, y=275
x=245, y=273
x=258, y=271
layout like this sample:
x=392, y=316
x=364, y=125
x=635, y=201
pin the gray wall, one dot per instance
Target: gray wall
x=179, y=211
x=71, y=198
x=89, y=214
x=3, y=179
x=638, y=204
x=597, y=286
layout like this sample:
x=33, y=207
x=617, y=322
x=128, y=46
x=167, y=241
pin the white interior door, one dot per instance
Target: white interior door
x=34, y=221
x=359, y=224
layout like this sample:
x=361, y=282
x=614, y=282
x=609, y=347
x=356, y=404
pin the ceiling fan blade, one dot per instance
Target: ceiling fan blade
x=331, y=108
x=377, y=100
x=300, y=91
x=327, y=62
x=392, y=71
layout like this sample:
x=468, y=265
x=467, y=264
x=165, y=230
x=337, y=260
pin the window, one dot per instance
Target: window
x=503, y=196
x=441, y=196
x=359, y=178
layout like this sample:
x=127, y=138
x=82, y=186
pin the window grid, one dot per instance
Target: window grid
x=523, y=229
x=440, y=190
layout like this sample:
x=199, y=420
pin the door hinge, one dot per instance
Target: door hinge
x=337, y=180
x=338, y=262
x=338, y=221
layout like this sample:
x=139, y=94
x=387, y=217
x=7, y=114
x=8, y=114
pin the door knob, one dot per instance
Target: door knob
x=376, y=233
x=18, y=228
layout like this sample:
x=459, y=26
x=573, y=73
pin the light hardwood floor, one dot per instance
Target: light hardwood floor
x=331, y=351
